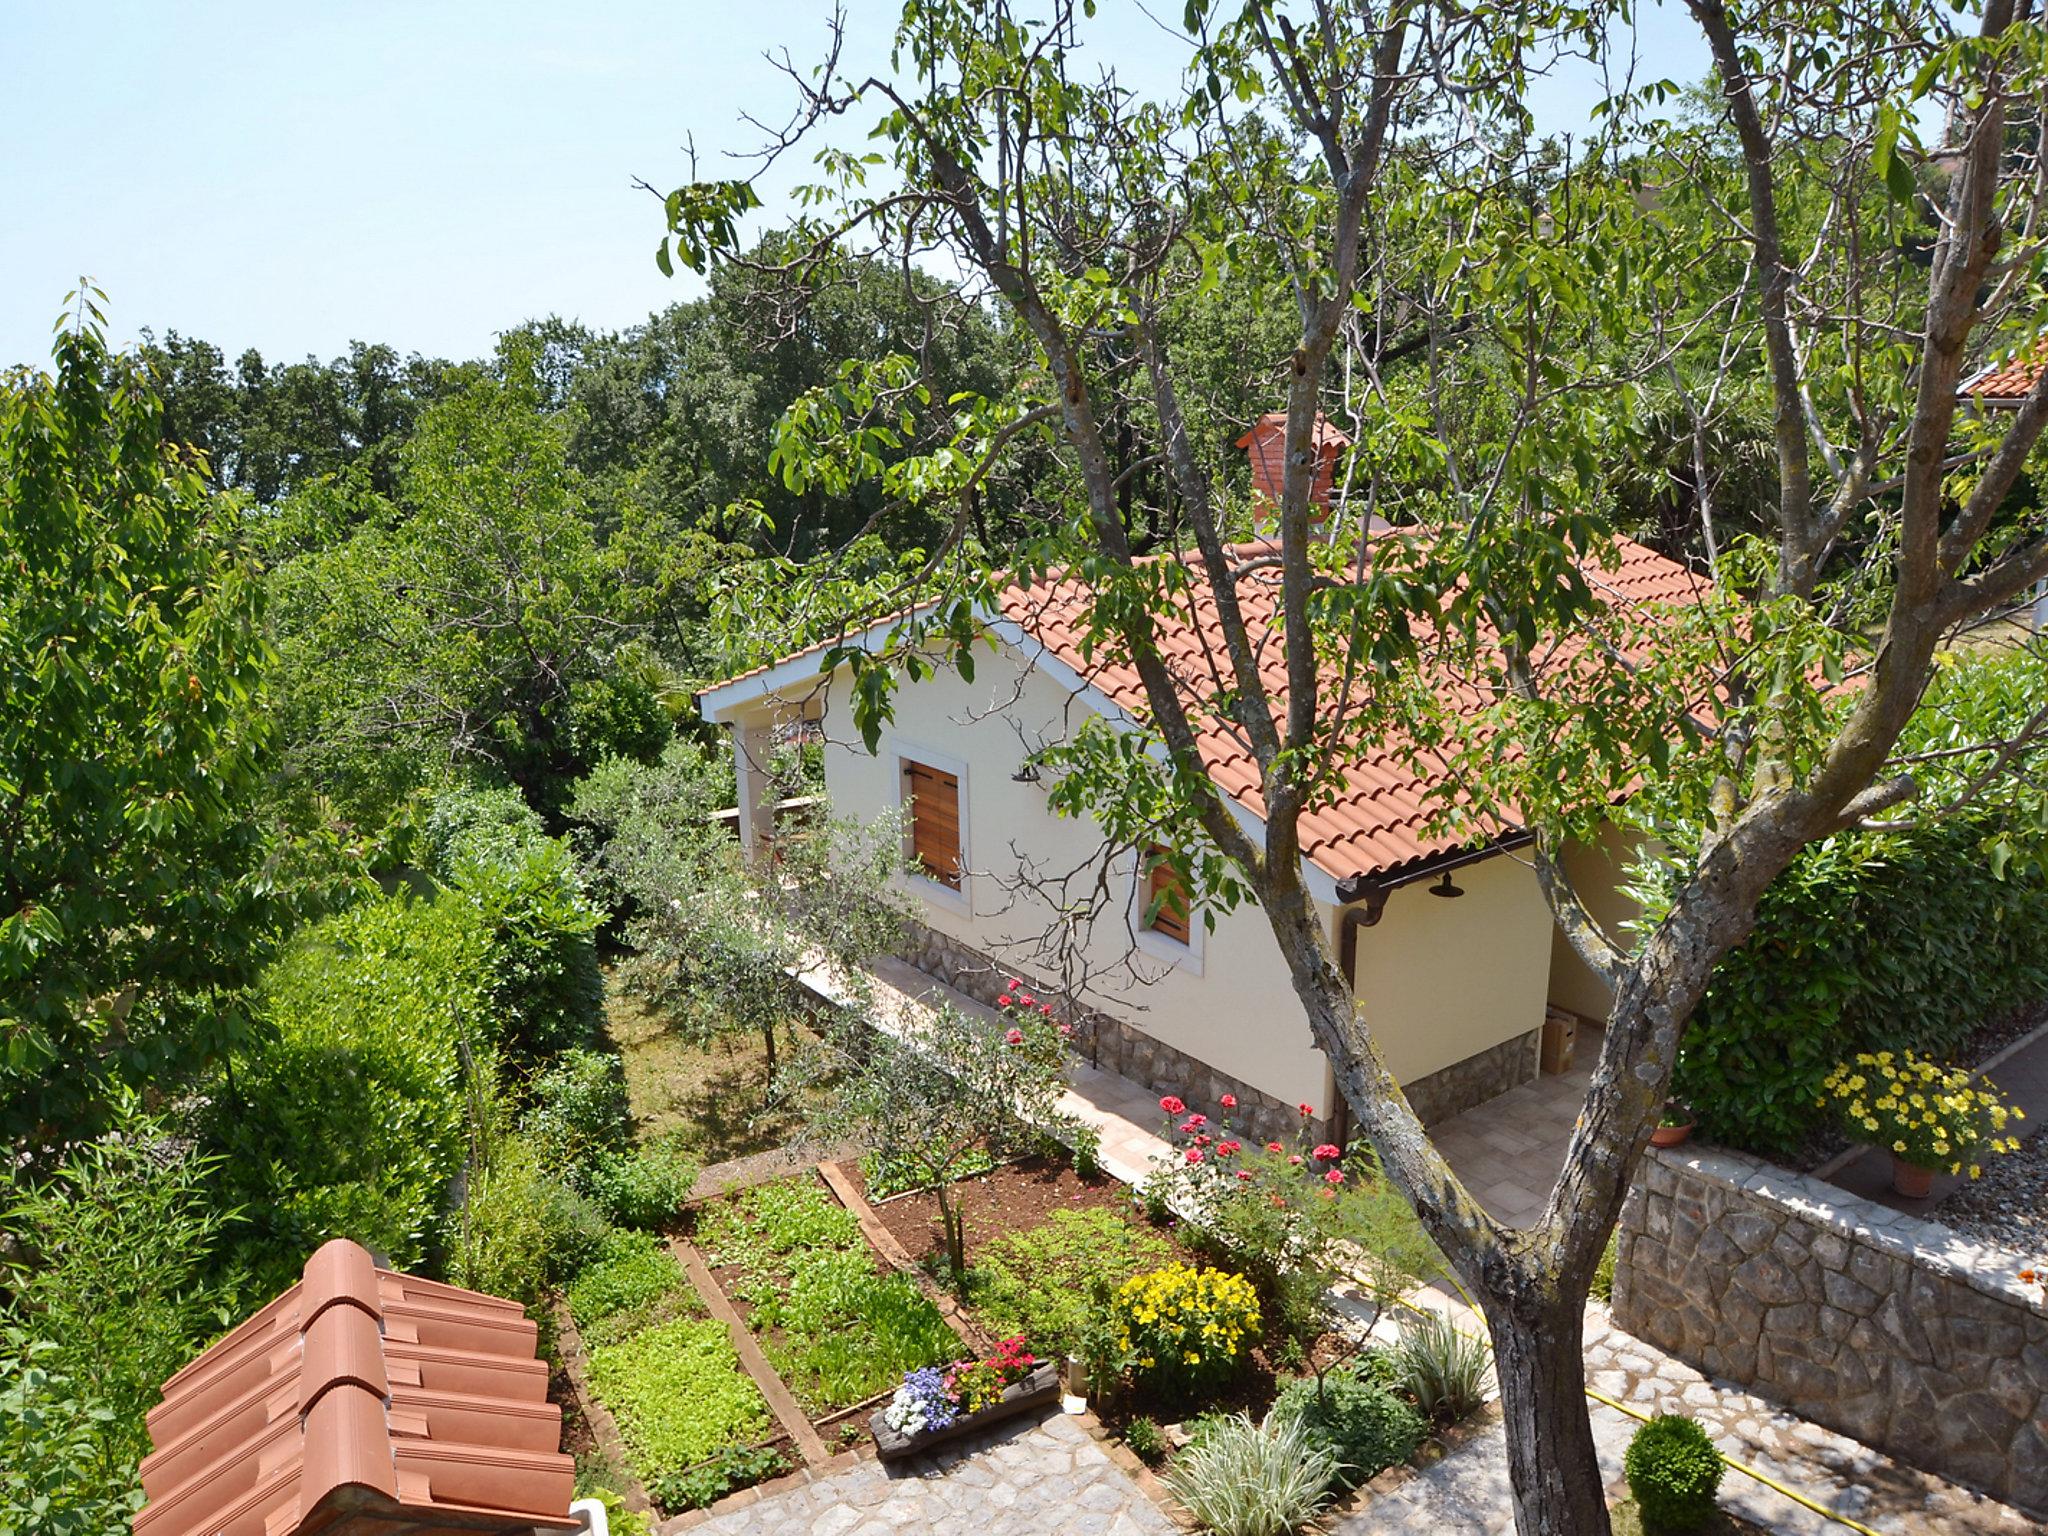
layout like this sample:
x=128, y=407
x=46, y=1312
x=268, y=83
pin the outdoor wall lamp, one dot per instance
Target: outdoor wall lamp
x=1444, y=887
x=1028, y=774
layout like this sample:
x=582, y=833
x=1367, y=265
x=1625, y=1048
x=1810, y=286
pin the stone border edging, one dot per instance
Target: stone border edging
x=780, y=1402
x=1992, y=1271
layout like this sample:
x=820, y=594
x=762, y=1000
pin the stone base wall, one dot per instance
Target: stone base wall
x=1890, y=1329
x=1469, y=1083
x=1116, y=1044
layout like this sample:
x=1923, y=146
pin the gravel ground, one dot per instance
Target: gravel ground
x=2009, y=1205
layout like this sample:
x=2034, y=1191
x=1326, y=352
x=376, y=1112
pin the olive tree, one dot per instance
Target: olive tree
x=1486, y=314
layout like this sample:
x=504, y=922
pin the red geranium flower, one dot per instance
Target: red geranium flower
x=1171, y=1105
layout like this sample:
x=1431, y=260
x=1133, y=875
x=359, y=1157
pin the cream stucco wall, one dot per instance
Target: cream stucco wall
x=1442, y=979
x=1596, y=870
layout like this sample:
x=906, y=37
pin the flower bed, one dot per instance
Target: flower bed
x=837, y=1329
x=687, y=1412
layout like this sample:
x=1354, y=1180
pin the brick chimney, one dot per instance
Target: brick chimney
x=1266, y=446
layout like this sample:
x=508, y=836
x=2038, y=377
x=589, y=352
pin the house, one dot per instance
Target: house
x=1449, y=943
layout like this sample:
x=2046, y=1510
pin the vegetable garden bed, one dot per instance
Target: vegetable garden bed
x=837, y=1325
x=690, y=1420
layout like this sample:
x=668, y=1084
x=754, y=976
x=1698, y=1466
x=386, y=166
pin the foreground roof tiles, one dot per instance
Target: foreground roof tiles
x=361, y=1400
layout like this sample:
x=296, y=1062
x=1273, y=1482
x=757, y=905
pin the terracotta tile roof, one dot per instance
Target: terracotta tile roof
x=360, y=1400
x=2010, y=382
x=1379, y=820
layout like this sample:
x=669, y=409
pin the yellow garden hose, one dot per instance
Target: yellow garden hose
x=1748, y=1471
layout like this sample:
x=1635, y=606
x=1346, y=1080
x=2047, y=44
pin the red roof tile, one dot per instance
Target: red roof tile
x=2012, y=381
x=360, y=1400
x=1379, y=820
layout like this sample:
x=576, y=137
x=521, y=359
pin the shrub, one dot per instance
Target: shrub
x=642, y=1186
x=679, y=1394
x=1930, y=1116
x=633, y=1283
x=348, y=1117
x=1359, y=1420
x=1603, y=1272
x=1244, y=1479
x=542, y=978
x=523, y=1230
x=1043, y=1283
x=1443, y=1368
x=1179, y=1329
x=576, y=1108
x=1674, y=1472
x=1146, y=1440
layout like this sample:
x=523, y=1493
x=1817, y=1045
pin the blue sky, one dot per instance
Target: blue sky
x=290, y=175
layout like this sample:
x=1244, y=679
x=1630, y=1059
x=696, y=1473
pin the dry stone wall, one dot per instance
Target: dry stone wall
x=1891, y=1329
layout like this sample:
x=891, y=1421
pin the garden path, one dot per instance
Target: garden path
x=1466, y=1493
x=1050, y=1479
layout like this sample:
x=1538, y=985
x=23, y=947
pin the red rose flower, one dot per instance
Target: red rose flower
x=1244, y=1173
x=1172, y=1105
x=1274, y=1146
x=1229, y=1148
x=1194, y=1154
x=1334, y=1176
x=1007, y=1001
x=1014, y=983
x=1296, y=1159
x=1328, y=1153
x=1066, y=1030
x=1198, y=1119
x=1045, y=1008
x=1307, y=1110
x=1228, y=1101
x=1015, y=1037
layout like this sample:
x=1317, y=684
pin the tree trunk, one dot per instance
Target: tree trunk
x=1539, y=1357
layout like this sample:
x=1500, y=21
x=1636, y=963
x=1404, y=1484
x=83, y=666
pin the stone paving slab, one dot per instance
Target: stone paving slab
x=1046, y=1479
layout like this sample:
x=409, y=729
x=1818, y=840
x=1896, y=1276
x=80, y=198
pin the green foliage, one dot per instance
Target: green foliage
x=545, y=989
x=1146, y=1440
x=885, y=1175
x=352, y=1118
x=1363, y=1424
x=111, y=1285
x=1244, y=1479
x=709, y=1481
x=134, y=908
x=523, y=1230
x=641, y=1186
x=632, y=1283
x=680, y=1395
x=1445, y=1369
x=1047, y=1282
x=959, y=1088
x=1603, y=1273
x=577, y=1108
x=1674, y=1472
x=1883, y=941
x=834, y=1329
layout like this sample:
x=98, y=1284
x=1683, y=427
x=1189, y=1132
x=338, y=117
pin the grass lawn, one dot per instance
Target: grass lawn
x=716, y=1091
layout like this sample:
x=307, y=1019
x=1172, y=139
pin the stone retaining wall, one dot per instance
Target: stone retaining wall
x=1469, y=1083
x=1891, y=1329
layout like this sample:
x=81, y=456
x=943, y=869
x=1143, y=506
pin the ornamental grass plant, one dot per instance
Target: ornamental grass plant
x=1921, y=1112
x=1241, y=1478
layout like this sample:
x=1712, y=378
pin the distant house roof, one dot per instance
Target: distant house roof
x=1378, y=824
x=361, y=1400
x=2009, y=382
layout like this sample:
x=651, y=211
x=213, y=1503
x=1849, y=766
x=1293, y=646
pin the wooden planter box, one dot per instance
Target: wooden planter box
x=1042, y=1386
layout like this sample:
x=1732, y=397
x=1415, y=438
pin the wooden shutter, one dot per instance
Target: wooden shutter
x=1166, y=899
x=934, y=821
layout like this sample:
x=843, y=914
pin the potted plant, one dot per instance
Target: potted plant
x=1674, y=1125
x=1930, y=1118
x=940, y=1403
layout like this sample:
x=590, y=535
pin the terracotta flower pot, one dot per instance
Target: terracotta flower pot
x=1671, y=1135
x=1910, y=1179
